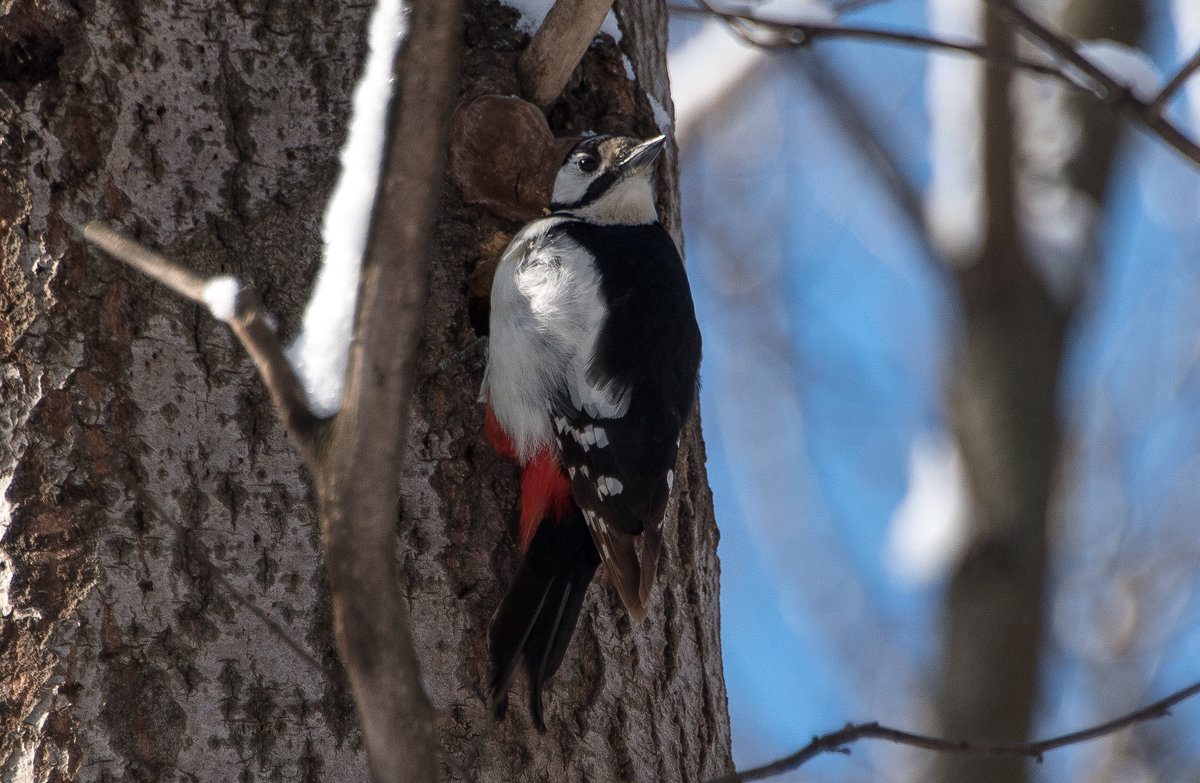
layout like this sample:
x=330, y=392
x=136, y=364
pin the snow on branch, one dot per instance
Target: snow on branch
x=239, y=306
x=836, y=742
x=320, y=350
x=1111, y=89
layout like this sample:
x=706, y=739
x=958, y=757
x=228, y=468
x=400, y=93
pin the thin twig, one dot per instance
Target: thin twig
x=836, y=741
x=287, y=393
x=1060, y=47
x=807, y=31
x=1113, y=91
x=249, y=324
x=1174, y=83
x=557, y=47
x=1100, y=83
x=179, y=279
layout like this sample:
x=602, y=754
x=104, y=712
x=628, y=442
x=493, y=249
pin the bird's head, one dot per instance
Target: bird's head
x=609, y=180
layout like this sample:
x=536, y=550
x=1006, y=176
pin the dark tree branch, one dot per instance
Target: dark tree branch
x=200, y=554
x=836, y=742
x=557, y=47
x=801, y=34
x=1175, y=82
x=781, y=35
x=1111, y=90
x=247, y=321
x=850, y=6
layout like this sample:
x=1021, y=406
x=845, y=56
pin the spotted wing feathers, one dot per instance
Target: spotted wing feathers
x=618, y=483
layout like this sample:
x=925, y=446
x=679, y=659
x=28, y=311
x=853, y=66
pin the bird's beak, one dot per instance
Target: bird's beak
x=642, y=155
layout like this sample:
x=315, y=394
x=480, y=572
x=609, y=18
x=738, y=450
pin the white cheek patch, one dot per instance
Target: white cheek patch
x=570, y=185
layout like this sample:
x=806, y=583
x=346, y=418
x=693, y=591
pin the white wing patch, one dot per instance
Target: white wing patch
x=608, y=485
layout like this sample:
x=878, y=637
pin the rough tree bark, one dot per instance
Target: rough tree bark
x=164, y=614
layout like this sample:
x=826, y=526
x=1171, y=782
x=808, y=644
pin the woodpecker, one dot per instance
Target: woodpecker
x=593, y=362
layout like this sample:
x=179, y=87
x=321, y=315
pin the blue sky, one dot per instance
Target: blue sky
x=826, y=334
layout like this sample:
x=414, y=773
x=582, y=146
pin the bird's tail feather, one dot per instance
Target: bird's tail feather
x=537, y=617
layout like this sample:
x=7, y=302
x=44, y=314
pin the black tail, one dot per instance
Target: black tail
x=539, y=612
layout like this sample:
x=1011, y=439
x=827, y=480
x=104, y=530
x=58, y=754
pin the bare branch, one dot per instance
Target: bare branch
x=835, y=742
x=154, y=265
x=200, y=555
x=1105, y=86
x=557, y=47
x=846, y=109
x=1175, y=82
x=1112, y=90
x=247, y=320
x=849, y=6
x=802, y=33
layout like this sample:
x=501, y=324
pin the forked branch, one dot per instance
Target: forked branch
x=1185, y=72
x=1117, y=94
x=1079, y=72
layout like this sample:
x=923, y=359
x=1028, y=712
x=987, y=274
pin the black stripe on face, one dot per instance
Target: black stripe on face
x=596, y=189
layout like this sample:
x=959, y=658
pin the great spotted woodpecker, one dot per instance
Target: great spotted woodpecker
x=593, y=363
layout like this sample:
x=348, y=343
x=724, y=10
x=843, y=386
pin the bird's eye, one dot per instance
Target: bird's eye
x=587, y=164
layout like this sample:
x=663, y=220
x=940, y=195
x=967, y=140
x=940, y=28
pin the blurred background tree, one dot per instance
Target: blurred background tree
x=949, y=392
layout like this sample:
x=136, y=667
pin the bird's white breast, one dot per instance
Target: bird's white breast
x=547, y=312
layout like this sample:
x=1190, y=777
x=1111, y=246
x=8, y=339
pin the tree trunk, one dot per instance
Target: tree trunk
x=164, y=607
x=1002, y=400
x=1016, y=309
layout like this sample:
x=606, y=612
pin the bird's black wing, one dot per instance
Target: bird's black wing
x=648, y=352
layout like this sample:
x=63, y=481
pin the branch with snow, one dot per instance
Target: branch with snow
x=237, y=305
x=356, y=454
x=319, y=351
x=1118, y=92
x=836, y=742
